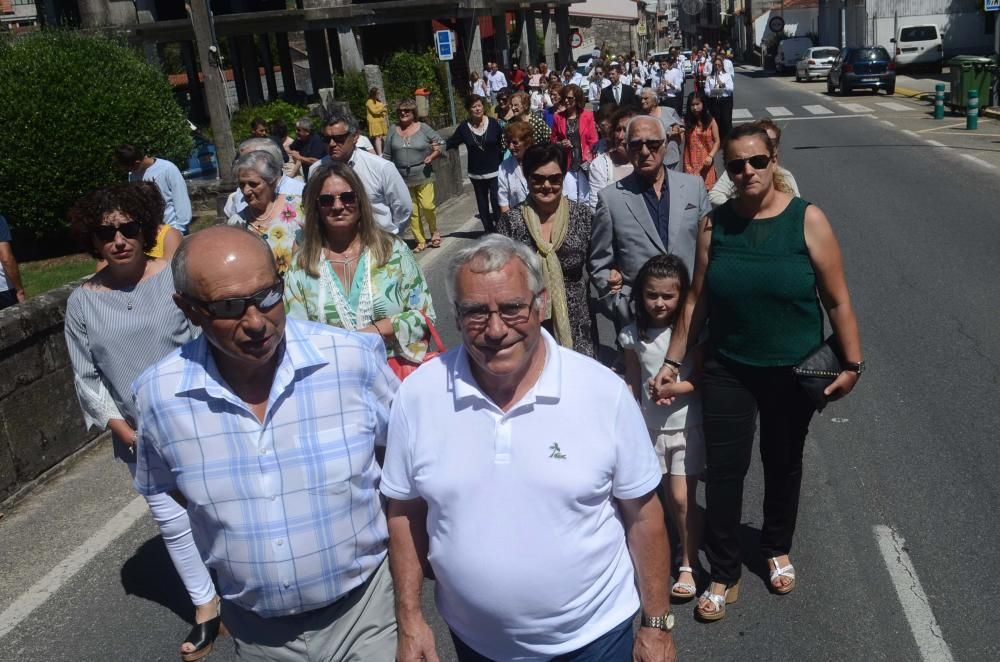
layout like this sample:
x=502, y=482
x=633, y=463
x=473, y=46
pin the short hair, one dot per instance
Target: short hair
x=373, y=93
x=374, y=238
x=258, y=121
x=614, y=66
x=492, y=253
x=662, y=129
x=407, y=104
x=279, y=129
x=127, y=155
x=341, y=117
x=138, y=201
x=578, y=95
x=623, y=112
x=263, y=164
x=525, y=99
x=472, y=100
x=261, y=145
x=178, y=263
x=538, y=155
x=520, y=131
x=304, y=123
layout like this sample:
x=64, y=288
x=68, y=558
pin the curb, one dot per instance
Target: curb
x=912, y=94
x=990, y=112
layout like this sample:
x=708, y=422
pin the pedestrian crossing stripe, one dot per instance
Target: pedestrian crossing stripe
x=818, y=110
x=892, y=105
x=742, y=114
x=855, y=107
x=778, y=111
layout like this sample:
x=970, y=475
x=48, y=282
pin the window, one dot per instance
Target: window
x=869, y=55
x=918, y=33
x=825, y=52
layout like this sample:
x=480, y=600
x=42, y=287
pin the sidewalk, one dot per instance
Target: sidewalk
x=922, y=87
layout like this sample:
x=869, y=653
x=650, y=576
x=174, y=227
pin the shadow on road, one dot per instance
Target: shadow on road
x=150, y=574
x=923, y=145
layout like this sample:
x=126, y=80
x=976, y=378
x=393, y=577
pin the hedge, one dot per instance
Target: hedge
x=66, y=101
x=290, y=113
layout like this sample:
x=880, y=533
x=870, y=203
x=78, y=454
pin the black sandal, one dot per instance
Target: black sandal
x=203, y=636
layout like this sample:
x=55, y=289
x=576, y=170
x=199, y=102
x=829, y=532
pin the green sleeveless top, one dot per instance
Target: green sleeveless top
x=761, y=287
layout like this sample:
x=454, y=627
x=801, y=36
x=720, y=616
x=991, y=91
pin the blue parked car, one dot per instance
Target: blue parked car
x=866, y=66
x=201, y=162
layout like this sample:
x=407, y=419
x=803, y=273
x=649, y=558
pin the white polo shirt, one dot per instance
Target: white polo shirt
x=526, y=540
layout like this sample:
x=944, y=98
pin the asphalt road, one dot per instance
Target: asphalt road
x=896, y=546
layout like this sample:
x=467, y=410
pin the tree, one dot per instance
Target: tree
x=66, y=101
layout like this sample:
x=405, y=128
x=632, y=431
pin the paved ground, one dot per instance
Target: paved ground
x=895, y=549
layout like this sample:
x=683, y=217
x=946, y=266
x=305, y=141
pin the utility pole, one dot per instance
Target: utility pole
x=215, y=89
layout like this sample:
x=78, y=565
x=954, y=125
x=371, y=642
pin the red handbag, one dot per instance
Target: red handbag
x=403, y=367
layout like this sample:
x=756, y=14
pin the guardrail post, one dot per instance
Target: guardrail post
x=939, y=101
x=972, y=111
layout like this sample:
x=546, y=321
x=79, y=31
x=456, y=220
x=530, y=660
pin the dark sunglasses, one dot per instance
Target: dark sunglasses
x=339, y=139
x=231, y=309
x=129, y=230
x=404, y=111
x=347, y=198
x=652, y=145
x=553, y=180
x=758, y=162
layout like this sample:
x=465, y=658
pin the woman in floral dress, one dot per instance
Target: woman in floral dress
x=354, y=275
x=701, y=140
x=276, y=217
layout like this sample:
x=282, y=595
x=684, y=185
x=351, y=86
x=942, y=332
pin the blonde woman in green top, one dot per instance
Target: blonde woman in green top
x=352, y=274
x=767, y=265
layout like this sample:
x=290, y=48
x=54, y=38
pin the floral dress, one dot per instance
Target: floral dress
x=697, y=145
x=283, y=234
x=395, y=290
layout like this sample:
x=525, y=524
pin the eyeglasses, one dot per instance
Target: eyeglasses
x=758, y=162
x=404, y=111
x=129, y=230
x=231, y=309
x=652, y=145
x=347, y=198
x=553, y=180
x=340, y=139
x=512, y=313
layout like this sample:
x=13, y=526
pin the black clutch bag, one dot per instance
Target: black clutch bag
x=818, y=370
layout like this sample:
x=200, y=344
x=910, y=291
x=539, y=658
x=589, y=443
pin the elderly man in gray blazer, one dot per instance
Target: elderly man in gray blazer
x=654, y=210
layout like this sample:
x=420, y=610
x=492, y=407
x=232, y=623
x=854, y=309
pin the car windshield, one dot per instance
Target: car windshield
x=825, y=52
x=918, y=33
x=869, y=55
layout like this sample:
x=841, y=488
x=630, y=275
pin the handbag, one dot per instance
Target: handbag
x=403, y=367
x=818, y=370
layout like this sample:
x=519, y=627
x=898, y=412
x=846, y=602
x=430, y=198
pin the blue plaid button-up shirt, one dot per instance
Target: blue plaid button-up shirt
x=286, y=511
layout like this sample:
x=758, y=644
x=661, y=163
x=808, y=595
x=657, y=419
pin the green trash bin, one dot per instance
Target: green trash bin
x=970, y=72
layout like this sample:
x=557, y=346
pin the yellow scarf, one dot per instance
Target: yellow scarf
x=558, y=310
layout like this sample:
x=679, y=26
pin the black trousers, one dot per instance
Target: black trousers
x=721, y=109
x=8, y=298
x=487, y=194
x=733, y=395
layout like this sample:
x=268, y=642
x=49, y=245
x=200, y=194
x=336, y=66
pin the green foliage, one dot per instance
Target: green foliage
x=66, y=101
x=270, y=111
x=405, y=72
x=352, y=88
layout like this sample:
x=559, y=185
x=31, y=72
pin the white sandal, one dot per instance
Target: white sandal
x=777, y=571
x=719, y=603
x=687, y=590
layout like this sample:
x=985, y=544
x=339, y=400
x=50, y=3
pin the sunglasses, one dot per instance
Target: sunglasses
x=553, y=180
x=758, y=162
x=404, y=111
x=129, y=230
x=231, y=309
x=652, y=145
x=347, y=198
x=340, y=139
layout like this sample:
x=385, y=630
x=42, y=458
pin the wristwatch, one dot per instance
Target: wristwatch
x=665, y=622
x=855, y=367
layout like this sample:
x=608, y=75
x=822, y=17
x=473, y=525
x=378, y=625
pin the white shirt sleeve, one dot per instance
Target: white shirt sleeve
x=397, y=196
x=397, y=470
x=599, y=178
x=637, y=471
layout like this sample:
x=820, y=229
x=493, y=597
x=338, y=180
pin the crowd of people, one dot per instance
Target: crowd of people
x=251, y=373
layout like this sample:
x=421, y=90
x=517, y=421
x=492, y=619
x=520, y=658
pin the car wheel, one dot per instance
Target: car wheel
x=844, y=90
x=829, y=86
x=798, y=76
x=891, y=90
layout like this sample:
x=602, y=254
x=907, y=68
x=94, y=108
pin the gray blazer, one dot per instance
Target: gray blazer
x=624, y=236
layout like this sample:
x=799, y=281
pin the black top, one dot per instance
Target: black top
x=485, y=152
x=628, y=96
x=313, y=148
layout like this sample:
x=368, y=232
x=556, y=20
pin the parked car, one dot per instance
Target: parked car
x=202, y=162
x=688, y=67
x=788, y=53
x=815, y=62
x=919, y=46
x=868, y=67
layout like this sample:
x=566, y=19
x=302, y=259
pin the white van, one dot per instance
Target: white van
x=789, y=52
x=919, y=46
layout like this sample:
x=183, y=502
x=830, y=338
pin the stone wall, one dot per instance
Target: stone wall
x=40, y=420
x=614, y=35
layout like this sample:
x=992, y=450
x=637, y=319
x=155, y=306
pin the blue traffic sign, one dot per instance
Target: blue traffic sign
x=445, y=44
x=991, y=5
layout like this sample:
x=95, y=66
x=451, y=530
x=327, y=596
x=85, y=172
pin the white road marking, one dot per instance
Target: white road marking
x=50, y=584
x=935, y=143
x=893, y=105
x=910, y=133
x=887, y=122
x=855, y=107
x=778, y=111
x=916, y=607
x=818, y=110
x=824, y=117
x=939, y=128
x=742, y=114
x=979, y=161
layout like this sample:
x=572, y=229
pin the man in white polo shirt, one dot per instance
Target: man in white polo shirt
x=521, y=473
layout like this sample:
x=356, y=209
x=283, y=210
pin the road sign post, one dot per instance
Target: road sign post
x=444, y=40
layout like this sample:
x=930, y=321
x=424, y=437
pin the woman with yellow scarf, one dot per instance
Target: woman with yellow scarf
x=559, y=230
